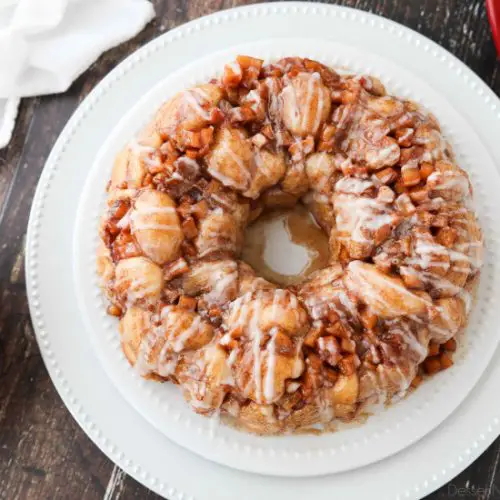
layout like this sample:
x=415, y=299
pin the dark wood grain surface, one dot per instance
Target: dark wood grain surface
x=43, y=452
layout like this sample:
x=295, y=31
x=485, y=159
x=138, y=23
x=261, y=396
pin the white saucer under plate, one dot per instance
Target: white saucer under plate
x=464, y=104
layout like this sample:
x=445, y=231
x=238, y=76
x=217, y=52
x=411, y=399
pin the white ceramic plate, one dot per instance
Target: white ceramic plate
x=403, y=423
x=116, y=428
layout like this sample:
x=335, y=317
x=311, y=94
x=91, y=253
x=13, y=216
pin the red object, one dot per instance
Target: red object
x=493, y=9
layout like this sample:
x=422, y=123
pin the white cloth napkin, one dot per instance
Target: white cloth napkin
x=46, y=44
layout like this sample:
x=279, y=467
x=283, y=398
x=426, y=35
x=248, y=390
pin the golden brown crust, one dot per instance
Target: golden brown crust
x=376, y=173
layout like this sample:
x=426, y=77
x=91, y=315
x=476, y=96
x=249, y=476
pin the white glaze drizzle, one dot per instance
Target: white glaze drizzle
x=192, y=102
x=354, y=213
x=173, y=342
x=221, y=277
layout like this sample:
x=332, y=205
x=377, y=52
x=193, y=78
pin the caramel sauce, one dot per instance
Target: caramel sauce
x=286, y=246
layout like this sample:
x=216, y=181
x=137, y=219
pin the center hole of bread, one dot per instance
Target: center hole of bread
x=286, y=246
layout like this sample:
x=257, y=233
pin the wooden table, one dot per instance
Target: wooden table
x=43, y=452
